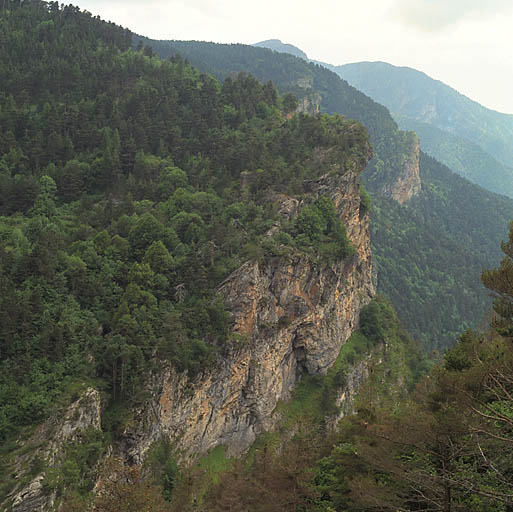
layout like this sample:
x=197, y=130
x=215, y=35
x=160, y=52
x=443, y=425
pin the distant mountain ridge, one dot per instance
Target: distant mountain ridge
x=470, y=139
x=278, y=46
x=414, y=97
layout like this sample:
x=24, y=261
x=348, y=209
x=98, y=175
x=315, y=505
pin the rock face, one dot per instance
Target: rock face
x=309, y=101
x=346, y=400
x=51, y=439
x=310, y=104
x=292, y=315
x=407, y=182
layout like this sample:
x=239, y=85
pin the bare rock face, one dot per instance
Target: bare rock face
x=32, y=497
x=310, y=104
x=81, y=415
x=291, y=315
x=49, y=441
x=407, y=182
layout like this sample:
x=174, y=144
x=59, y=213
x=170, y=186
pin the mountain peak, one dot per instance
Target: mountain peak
x=278, y=46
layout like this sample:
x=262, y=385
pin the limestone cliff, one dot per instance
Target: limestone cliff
x=46, y=447
x=292, y=316
x=310, y=103
x=406, y=183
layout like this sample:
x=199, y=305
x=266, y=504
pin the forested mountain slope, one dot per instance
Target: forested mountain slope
x=415, y=97
x=433, y=248
x=185, y=265
x=104, y=233
x=158, y=226
x=433, y=253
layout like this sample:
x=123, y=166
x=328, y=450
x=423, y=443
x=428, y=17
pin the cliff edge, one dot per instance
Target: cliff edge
x=291, y=314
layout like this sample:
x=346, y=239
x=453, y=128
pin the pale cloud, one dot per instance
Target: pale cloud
x=436, y=15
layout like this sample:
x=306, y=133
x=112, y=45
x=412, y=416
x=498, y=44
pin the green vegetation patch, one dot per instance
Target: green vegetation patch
x=314, y=397
x=215, y=463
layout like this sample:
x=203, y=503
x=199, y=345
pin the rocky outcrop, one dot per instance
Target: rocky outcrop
x=48, y=444
x=354, y=379
x=305, y=82
x=32, y=497
x=310, y=104
x=407, y=182
x=309, y=101
x=291, y=315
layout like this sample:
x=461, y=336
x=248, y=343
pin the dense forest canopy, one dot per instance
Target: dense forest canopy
x=430, y=253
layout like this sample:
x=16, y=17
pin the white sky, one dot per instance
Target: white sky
x=468, y=44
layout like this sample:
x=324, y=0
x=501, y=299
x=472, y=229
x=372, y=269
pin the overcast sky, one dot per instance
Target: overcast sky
x=468, y=44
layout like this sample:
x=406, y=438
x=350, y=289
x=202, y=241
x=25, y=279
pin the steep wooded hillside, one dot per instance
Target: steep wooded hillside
x=420, y=246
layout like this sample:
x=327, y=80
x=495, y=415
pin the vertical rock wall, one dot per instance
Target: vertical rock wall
x=407, y=182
